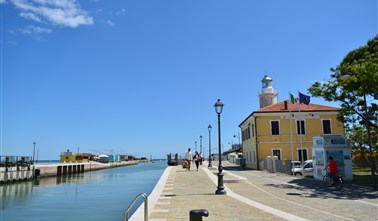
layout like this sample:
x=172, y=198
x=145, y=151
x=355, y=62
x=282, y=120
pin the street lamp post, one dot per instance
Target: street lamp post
x=239, y=144
x=34, y=151
x=200, y=143
x=220, y=188
x=195, y=145
x=209, y=128
x=201, y=153
x=367, y=125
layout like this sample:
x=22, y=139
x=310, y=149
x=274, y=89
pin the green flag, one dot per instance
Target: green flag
x=292, y=98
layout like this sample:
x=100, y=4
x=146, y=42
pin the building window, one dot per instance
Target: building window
x=302, y=152
x=249, y=133
x=275, y=127
x=253, y=130
x=277, y=153
x=326, y=126
x=301, y=129
x=254, y=156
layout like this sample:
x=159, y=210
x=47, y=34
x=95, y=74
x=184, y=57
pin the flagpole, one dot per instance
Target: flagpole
x=291, y=137
x=300, y=127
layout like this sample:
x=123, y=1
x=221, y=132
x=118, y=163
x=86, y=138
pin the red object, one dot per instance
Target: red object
x=332, y=167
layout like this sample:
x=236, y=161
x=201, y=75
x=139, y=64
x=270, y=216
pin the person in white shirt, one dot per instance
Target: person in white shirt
x=188, y=159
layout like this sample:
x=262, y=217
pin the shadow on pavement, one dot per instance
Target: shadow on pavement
x=234, y=168
x=318, y=189
x=349, y=191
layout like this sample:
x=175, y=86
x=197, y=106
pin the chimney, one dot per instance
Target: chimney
x=285, y=105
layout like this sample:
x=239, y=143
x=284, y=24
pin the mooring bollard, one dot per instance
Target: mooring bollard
x=197, y=214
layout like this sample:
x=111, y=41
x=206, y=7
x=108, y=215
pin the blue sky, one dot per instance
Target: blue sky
x=141, y=76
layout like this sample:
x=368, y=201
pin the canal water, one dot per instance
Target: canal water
x=95, y=196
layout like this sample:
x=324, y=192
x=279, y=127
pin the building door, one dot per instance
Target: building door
x=277, y=153
x=304, y=154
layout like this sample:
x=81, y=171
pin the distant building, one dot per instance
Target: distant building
x=127, y=157
x=74, y=157
x=114, y=158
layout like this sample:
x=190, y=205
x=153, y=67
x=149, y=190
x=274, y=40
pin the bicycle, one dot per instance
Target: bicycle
x=336, y=181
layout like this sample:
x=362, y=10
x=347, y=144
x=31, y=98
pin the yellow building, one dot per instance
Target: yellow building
x=69, y=157
x=286, y=130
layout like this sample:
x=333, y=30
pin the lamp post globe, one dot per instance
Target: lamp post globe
x=345, y=77
x=209, y=129
x=220, y=188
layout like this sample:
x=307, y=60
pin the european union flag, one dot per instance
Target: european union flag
x=304, y=98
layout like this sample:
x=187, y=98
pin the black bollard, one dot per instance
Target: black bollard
x=197, y=214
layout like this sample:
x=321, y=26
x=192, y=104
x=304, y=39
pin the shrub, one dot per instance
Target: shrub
x=360, y=160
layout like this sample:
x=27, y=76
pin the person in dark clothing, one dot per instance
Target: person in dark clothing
x=197, y=159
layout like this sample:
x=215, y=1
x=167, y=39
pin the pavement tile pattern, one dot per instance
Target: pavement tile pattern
x=257, y=195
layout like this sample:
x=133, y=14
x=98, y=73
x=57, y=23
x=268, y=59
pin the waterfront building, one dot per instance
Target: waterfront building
x=285, y=130
x=67, y=157
x=114, y=158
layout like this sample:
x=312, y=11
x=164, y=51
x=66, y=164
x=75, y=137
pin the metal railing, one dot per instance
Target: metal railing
x=145, y=197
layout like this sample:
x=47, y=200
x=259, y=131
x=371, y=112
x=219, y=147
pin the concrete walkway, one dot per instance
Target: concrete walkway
x=255, y=195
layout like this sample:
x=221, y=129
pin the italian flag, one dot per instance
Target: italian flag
x=293, y=100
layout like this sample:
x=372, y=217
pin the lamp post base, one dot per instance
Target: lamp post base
x=210, y=165
x=220, y=187
x=220, y=191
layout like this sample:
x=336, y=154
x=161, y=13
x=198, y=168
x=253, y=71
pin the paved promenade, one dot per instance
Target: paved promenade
x=255, y=195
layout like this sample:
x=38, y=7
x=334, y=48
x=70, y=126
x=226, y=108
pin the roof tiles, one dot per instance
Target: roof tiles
x=286, y=105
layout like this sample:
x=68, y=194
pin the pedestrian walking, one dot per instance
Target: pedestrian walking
x=197, y=159
x=188, y=159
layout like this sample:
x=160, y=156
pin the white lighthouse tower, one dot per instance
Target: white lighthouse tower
x=268, y=95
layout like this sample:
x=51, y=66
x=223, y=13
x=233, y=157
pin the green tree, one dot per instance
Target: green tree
x=354, y=83
x=358, y=139
x=360, y=89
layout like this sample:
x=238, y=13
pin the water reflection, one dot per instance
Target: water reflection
x=96, y=195
x=14, y=190
x=22, y=190
x=18, y=191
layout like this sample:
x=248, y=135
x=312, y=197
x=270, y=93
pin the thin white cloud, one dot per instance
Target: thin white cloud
x=32, y=30
x=121, y=12
x=30, y=16
x=12, y=43
x=57, y=12
x=12, y=32
x=110, y=23
x=3, y=1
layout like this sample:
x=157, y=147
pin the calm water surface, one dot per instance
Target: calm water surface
x=99, y=195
